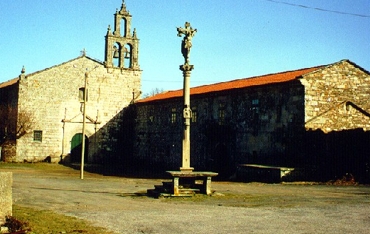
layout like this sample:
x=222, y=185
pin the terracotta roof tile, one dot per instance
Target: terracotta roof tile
x=235, y=84
x=8, y=83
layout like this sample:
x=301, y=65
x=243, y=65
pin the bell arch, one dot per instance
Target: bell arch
x=127, y=50
x=121, y=50
x=123, y=27
x=116, y=55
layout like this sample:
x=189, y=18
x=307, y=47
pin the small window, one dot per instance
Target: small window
x=81, y=93
x=37, y=135
x=255, y=102
x=221, y=114
x=194, y=115
x=255, y=106
x=151, y=119
x=173, y=115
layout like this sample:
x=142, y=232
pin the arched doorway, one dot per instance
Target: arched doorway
x=76, y=144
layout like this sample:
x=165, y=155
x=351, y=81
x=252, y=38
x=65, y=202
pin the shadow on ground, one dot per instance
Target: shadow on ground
x=112, y=170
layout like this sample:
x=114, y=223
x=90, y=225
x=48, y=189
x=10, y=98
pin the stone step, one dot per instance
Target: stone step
x=167, y=184
x=162, y=188
x=153, y=193
x=188, y=191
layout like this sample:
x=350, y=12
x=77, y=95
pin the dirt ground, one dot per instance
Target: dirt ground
x=120, y=205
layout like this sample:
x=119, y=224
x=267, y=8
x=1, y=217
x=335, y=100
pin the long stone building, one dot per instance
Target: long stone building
x=42, y=112
x=314, y=118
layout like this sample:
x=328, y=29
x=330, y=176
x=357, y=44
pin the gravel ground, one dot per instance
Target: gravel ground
x=120, y=205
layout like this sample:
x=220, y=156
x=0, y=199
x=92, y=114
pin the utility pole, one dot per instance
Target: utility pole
x=83, y=127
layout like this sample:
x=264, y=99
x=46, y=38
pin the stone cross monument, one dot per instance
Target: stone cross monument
x=186, y=45
x=184, y=181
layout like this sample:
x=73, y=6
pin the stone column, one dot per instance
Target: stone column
x=186, y=69
x=186, y=45
x=6, y=181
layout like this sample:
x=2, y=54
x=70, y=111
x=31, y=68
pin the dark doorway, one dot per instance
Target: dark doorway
x=76, y=148
x=221, y=161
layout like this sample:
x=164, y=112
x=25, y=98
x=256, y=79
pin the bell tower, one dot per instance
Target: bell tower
x=122, y=47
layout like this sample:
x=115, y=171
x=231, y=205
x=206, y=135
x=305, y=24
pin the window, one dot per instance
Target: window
x=173, y=115
x=221, y=114
x=255, y=102
x=151, y=119
x=81, y=93
x=37, y=135
x=194, y=115
x=255, y=106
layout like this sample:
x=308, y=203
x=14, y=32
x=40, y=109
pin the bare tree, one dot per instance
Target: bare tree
x=14, y=123
x=153, y=92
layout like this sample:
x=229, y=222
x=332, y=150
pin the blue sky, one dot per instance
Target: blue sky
x=235, y=39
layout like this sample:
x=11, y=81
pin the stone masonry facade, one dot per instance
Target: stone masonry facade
x=52, y=100
x=52, y=96
x=275, y=123
x=336, y=98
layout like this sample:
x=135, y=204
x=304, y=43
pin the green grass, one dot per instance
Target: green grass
x=34, y=166
x=41, y=221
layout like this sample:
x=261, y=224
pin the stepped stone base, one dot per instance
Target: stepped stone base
x=184, y=184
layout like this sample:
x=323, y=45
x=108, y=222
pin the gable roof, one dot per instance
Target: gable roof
x=79, y=57
x=235, y=84
x=15, y=80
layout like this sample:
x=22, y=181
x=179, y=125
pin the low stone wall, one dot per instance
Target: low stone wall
x=6, y=181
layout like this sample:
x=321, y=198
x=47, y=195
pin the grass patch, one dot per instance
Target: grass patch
x=33, y=166
x=50, y=222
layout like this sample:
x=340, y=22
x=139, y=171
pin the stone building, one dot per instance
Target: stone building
x=42, y=111
x=315, y=118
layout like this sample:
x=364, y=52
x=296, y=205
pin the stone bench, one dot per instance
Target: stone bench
x=188, y=179
x=276, y=173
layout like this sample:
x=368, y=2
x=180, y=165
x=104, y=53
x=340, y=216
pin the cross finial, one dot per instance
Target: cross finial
x=186, y=44
x=83, y=52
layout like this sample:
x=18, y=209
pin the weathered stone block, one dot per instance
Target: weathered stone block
x=6, y=181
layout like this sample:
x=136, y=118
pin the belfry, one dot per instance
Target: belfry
x=121, y=46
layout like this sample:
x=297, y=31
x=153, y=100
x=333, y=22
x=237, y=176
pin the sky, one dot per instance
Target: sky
x=235, y=38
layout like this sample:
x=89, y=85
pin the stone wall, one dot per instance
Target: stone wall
x=52, y=98
x=336, y=98
x=257, y=125
x=272, y=125
x=6, y=182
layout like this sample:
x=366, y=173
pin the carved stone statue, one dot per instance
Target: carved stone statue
x=189, y=33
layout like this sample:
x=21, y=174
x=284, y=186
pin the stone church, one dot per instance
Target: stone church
x=42, y=112
x=315, y=118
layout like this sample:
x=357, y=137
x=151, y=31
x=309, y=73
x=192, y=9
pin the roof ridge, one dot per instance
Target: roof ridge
x=63, y=63
x=271, y=78
x=260, y=76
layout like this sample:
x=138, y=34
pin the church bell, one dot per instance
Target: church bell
x=116, y=52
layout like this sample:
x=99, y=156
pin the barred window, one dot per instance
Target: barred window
x=221, y=114
x=255, y=106
x=194, y=115
x=37, y=135
x=173, y=115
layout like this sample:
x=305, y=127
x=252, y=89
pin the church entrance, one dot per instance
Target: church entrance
x=76, y=148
